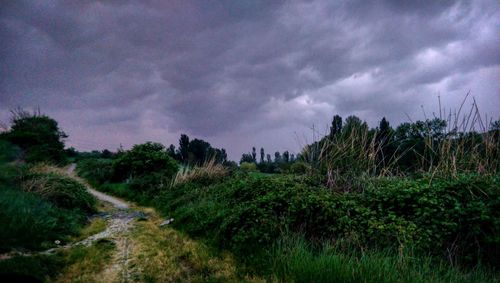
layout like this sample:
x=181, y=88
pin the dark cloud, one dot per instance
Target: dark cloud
x=236, y=72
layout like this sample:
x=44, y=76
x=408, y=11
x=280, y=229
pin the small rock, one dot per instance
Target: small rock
x=166, y=222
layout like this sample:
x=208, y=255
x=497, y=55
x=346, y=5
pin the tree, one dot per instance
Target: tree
x=254, y=154
x=200, y=151
x=286, y=156
x=336, y=127
x=262, y=155
x=353, y=123
x=184, y=147
x=145, y=159
x=277, y=157
x=268, y=158
x=246, y=158
x=384, y=133
x=38, y=136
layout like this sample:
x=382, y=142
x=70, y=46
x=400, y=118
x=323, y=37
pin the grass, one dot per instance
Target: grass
x=95, y=226
x=163, y=254
x=294, y=260
x=88, y=264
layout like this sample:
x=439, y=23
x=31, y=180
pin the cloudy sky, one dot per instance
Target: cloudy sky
x=242, y=73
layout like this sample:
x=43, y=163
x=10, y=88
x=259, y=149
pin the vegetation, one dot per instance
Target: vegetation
x=37, y=135
x=418, y=203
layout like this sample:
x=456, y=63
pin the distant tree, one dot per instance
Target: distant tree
x=292, y=158
x=246, y=158
x=37, y=135
x=383, y=136
x=106, y=154
x=184, y=147
x=200, y=151
x=286, y=156
x=254, y=154
x=172, y=152
x=262, y=155
x=268, y=158
x=277, y=157
x=336, y=127
x=354, y=123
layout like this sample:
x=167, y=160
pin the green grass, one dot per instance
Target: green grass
x=30, y=222
x=294, y=260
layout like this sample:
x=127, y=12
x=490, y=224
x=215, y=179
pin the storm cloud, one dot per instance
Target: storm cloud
x=242, y=73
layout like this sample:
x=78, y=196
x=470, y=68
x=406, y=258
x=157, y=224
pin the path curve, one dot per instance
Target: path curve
x=101, y=196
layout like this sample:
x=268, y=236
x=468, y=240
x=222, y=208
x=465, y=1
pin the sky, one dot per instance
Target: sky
x=242, y=73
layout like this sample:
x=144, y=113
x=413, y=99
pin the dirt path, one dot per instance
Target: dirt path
x=119, y=204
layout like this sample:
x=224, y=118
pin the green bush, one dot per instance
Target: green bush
x=299, y=167
x=63, y=191
x=248, y=167
x=456, y=219
x=8, y=151
x=144, y=159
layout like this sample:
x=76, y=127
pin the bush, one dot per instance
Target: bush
x=248, y=167
x=247, y=214
x=299, y=167
x=144, y=159
x=60, y=190
x=8, y=152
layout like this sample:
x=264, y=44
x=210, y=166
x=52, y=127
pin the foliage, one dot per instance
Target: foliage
x=208, y=173
x=144, y=159
x=293, y=259
x=30, y=222
x=60, y=190
x=454, y=219
x=38, y=136
x=8, y=152
x=248, y=167
x=96, y=170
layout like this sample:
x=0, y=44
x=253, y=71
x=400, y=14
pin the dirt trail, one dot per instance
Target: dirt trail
x=101, y=196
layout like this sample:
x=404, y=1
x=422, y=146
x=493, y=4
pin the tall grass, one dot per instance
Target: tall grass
x=209, y=172
x=461, y=143
x=293, y=259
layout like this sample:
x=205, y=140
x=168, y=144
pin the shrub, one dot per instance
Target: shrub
x=299, y=167
x=144, y=159
x=248, y=167
x=449, y=218
x=62, y=191
x=8, y=151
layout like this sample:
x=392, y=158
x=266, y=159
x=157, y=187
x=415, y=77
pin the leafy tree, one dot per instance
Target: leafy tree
x=38, y=136
x=184, y=147
x=383, y=138
x=336, y=127
x=277, y=157
x=268, y=158
x=200, y=151
x=254, y=154
x=286, y=156
x=262, y=155
x=246, y=158
x=353, y=123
